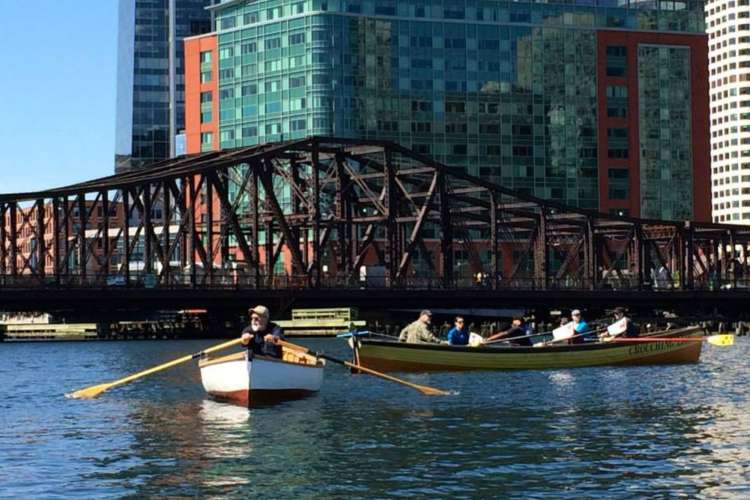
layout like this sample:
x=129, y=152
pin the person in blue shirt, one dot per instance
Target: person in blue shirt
x=459, y=334
x=581, y=327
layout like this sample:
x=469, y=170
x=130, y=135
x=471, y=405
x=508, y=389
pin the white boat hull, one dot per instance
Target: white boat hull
x=261, y=381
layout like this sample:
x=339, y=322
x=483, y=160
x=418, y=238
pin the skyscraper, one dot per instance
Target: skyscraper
x=728, y=27
x=602, y=104
x=150, y=87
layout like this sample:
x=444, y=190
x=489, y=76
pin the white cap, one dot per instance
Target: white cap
x=261, y=311
x=575, y=312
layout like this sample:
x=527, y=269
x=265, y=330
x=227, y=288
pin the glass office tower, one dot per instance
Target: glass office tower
x=592, y=103
x=150, y=76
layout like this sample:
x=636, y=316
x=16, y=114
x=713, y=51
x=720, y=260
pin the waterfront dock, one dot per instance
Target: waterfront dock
x=20, y=332
x=321, y=322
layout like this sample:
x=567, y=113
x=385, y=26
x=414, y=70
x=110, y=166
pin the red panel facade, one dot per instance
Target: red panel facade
x=698, y=45
x=193, y=88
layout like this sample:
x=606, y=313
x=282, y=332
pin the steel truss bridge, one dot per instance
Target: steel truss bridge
x=331, y=220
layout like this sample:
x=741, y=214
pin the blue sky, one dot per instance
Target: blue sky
x=58, y=88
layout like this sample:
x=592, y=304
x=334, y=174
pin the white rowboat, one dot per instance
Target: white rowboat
x=262, y=380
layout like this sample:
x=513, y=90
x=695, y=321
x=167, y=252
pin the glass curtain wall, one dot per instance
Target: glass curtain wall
x=502, y=90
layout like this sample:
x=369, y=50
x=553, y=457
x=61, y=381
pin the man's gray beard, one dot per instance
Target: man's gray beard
x=255, y=328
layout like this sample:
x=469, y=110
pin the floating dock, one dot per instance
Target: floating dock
x=19, y=332
x=321, y=322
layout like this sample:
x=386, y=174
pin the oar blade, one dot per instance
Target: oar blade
x=89, y=392
x=721, y=340
x=431, y=391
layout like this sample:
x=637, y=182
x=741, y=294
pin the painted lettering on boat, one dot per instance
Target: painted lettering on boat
x=648, y=347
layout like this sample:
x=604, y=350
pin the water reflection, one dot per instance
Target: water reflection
x=628, y=432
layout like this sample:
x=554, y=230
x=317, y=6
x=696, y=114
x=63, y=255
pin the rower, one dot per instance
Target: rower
x=516, y=330
x=419, y=332
x=262, y=336
x=459, y=334
x=622, y=326
x=580, y=326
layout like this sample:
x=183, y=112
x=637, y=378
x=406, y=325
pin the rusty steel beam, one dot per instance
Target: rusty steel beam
x=358, y=200
x=275, y=207
x=415, y=236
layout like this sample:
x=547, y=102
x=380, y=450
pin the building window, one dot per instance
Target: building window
x=296, y=38
x=617, y=153
x=206, y=117
x=273, y=128
x=273, y=13
x=617, y=133
x=274, y=65
x=249, y=89
x=617, y=60
x=296, y=81
x=206, y=57
x=617, y=111
x=250, y=18
x=300, y=124
x=206, y=76
x=273, y=43
x=226, y=93
x=272, y=86
x=617, y=92
x=249, y=132
x=297, y=104
x=228, y=22
x=207, y=141
x=206, y=97
x=226, y=52
x=248, y=48
x=618, y=183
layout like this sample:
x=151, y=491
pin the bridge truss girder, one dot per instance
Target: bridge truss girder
x=332, y=207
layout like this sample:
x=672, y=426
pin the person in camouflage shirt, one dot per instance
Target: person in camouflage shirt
x=418, y=332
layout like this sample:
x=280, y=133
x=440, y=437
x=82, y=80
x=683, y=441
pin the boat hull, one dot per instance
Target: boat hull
x=395, y=356
x=262, y=381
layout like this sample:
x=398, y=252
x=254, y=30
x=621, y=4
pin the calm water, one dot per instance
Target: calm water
x=655, y=431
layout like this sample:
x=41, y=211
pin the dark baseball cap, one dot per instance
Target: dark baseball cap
x=427, y=312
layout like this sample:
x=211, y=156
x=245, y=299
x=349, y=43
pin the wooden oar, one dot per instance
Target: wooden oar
x=723, y=340
x=516, y=338
x=95, y=390
x=424, y=389
x=583, y=334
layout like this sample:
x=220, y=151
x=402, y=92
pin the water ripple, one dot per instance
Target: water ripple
x=657, y=432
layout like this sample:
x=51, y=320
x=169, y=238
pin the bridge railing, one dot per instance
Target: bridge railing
x=231, y=280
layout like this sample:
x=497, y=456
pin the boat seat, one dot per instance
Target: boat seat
x=292, y=356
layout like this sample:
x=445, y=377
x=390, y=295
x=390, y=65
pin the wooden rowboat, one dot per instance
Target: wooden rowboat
x=262, y=380
x=398, y=356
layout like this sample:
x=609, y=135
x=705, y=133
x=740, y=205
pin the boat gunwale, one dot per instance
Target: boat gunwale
x=240, y=356
x=590, y=346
